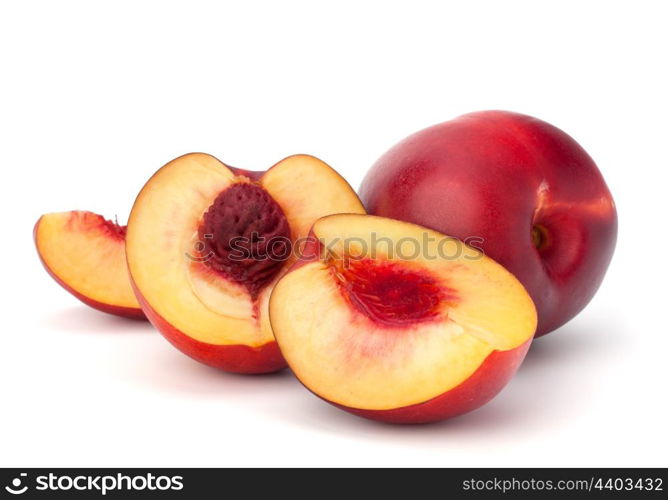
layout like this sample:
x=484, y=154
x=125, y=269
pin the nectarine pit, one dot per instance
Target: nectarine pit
x=390, y=293
x=245, y=236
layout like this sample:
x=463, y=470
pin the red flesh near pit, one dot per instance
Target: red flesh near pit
x=390, y=293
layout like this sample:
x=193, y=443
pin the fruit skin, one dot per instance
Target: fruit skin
x=493, y=176
x=487, y=381
x=232, y=358
x=125, y=312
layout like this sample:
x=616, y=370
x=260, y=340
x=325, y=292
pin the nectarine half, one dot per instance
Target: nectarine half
x=396, y=322
x=85, y=254
x=206, y=243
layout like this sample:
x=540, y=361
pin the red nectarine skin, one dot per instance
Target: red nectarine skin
x=116, y=231
x=232, y=358
x=246, y=236
x=389, y=293
x=487, y=381
x=531, y=194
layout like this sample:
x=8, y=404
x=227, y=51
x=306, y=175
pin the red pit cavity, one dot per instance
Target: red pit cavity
x=245, y=236
x=390, y=293
x=94, y=221
x=115, y=229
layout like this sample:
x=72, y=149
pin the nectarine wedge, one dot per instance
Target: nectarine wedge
x=206, y=243
x=396, y=322
x=85, y=254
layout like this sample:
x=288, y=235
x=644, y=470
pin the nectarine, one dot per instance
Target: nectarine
x=85, y=254
x=207, y=242
x=528, y=193
x=396, y=322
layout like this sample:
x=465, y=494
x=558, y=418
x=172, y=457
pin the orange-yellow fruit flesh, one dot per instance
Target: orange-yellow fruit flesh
x=351, y=359
x=87, y=254
x=162, y=233
x=306, y=188
x=166, y=219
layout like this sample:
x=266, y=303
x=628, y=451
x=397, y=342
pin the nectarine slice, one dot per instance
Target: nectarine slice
x=395, y=322
x=85, y=254
x=207, y=242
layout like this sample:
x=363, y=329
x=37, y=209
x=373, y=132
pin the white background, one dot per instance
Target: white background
x=95, y=97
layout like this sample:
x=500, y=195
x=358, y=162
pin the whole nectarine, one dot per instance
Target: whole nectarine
x=523, y=190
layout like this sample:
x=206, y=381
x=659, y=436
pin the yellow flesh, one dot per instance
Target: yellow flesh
x=163, y=229
x=85, y=257
x=348, y=359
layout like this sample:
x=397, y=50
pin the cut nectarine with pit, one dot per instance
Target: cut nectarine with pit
x=206, y=243
x=85, y=254
x=395, y=322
